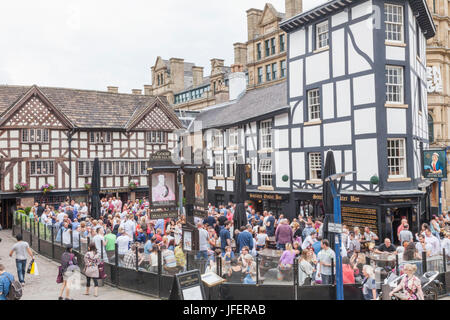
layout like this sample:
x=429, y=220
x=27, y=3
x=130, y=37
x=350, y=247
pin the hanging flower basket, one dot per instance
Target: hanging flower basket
x=21, y=187
x=87, y=186
x=47, y=187
x=133, y=185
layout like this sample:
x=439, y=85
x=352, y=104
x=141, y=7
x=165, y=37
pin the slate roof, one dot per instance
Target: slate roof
x=305, y=18
x=253, y=104
x=86, y=108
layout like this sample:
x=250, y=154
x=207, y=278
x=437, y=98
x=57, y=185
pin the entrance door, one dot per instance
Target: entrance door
x=397, y=215
x=7, y=209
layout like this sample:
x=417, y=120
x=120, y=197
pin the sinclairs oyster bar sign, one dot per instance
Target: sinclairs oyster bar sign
x=435, y=164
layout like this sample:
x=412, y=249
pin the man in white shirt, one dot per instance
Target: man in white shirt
x=203, y=237
x=434, y=242
x=130, y=226
x=83, y=211
x=423, y=246
x=98, y=244
x=445, y=244
x=60, y=217
x=309, y=240
x=123, y=243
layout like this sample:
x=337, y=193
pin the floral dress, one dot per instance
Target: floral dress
x=410, y=286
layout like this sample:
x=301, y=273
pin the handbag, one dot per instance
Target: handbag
x=101, y=271
x=308, y=279
x=401, y=295
x=59, y=277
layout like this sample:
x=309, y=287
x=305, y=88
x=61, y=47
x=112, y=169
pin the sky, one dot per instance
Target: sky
x=88, y=44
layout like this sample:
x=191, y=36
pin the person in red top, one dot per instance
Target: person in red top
x=348, y=274
x=401, y=226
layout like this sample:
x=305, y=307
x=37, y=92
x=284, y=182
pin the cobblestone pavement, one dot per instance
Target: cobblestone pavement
x=44, y=286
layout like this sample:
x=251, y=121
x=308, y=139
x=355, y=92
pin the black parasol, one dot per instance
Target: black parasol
x=95, y=190
x=240, y=191
x=328, y=202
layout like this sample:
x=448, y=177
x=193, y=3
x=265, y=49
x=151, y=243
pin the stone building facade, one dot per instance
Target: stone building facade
x=264, y=53
x=438, y=74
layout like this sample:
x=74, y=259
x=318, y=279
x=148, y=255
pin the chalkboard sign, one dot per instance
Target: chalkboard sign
x=188, y=286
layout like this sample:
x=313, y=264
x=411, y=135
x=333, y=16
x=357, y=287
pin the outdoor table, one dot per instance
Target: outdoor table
x=382, y=260
x=269, y=259
x=271, y=243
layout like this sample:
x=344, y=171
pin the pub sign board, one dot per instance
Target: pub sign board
x=200, y=193
x=163, y=186
x=188, y=286
x=435, y=164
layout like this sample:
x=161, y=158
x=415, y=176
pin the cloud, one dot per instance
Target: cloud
x=93, y=44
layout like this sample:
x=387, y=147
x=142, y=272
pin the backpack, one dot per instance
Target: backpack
x=15, y=291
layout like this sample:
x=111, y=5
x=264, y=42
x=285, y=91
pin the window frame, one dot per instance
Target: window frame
x=274, y=71
x=44, y=135
x=258, y=51
x=96, y=137
x=282, y=42
x=152, y=137
x=107, y=168
x=122, y=168
x=394, y=23
x=283, y=70
x=50, y=164
x=314, y=102
x=87, y=167
x=265, y=134
x=260, y=75
x=318, y=42
x=268, y=72
x=217, y=139
x=267, y=47
x=315, y=165
x=273, y=48
x=219, y=166
x=265, y=171
x=402, y=161
x=401, y=87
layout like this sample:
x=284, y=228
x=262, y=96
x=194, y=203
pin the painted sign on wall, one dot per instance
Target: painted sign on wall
x=435, y=164
x=434, y=79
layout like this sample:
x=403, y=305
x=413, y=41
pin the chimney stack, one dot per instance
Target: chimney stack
x=240, y=53
x=112, y=89
x=197, y=73
x=136, y=91
x=253, y=18
x=148, y=90
x=177, y=73
x=293, y=7
x=237, y=81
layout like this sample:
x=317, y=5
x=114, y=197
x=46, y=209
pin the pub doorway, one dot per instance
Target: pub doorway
x=397, y=214
x=7, y=208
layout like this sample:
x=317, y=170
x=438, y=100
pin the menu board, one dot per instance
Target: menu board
x=360, y=217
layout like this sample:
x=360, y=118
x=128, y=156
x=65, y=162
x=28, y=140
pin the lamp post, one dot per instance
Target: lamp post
x=337, y=229
x=180, y=189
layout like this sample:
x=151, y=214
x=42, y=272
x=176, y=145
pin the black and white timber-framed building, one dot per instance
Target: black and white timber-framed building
x=356, y=86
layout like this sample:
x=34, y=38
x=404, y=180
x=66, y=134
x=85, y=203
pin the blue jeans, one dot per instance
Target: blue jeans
x=21, y=269
x=202, y=254
x=281, y=246
x=326, y=279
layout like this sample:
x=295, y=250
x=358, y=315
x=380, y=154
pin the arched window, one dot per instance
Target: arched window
x=430, y=129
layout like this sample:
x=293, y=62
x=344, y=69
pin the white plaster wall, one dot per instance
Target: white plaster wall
x=328, y=101
x=365, y=121
x=281, y=138
x=297, y=43
x=366, y=166
x=339, y=61
x=337, y=160
x=296, y=138
x=395, y=53
x=298, y=165
x=282, y=168
x=364, y=89
x=337, y=133
x=348, y=158
x=338, y=19
x=296, y=78
x=396, y=121
x=282, y=120
x=343, y=98
x=311, y=136
x=297, y=116
x=317, y=67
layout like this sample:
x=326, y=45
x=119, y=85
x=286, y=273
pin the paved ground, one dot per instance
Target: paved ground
x=44, y=286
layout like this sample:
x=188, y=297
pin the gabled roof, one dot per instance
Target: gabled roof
x=253, y=104
x=270, y=9
x=305, y=18
x=86, y=109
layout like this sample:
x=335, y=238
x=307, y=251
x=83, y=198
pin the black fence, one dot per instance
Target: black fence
x=48, y=241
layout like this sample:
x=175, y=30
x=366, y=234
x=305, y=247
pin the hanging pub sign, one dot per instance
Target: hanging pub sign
x=163, y=186
x=435, y=164
x=200, y=195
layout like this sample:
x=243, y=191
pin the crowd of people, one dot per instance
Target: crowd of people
x=144, y=243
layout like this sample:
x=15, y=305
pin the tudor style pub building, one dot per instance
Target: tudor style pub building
x=52, y=136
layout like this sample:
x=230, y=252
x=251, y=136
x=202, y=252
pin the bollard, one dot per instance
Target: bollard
x=424, y=261
x=31, y=234
x=257, y=268
x=444, y=257
x=397, y=267
x=159, y=272
x=136, y=250
x=101, y=250
x=79, y=242
x=295, y=278
x=39, y=237
x=332, y=272
x=21, y=224
x=45, y=232
x=53, y=243
x=62, y=234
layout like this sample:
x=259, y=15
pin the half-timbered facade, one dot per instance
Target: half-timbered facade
x=357, y=86
x=51, y=136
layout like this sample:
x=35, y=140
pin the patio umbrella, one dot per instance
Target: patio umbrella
x=240, y=192
x=95, y=190
x=328, y=202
